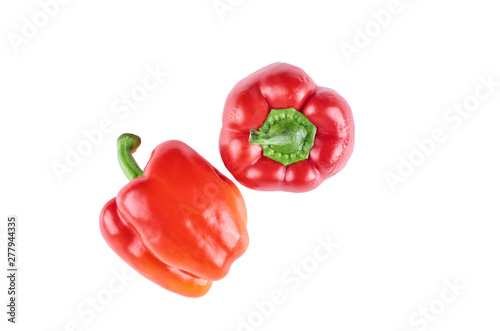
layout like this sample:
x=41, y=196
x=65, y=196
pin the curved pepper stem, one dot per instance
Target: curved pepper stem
x=286, y=136
x=127, y=144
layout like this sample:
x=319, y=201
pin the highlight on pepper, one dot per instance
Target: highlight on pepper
x=180, y=222
x=282, y=132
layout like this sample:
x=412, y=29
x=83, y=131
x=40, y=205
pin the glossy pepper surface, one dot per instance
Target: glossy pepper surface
x=180, y=223
x=283, y=132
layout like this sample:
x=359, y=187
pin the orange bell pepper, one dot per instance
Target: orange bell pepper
x=180, y=223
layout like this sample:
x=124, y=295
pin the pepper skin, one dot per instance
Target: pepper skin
x=282, y=132
x=181, y=223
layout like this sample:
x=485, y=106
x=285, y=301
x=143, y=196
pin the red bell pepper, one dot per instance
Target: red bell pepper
x=305, y=132
x=181, y=223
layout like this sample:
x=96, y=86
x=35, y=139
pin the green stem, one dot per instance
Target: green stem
x=286, y=136
x=264, y=138
x=127, y=144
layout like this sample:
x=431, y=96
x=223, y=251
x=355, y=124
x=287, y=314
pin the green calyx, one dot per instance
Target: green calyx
x=286, y=136
x=127, y=144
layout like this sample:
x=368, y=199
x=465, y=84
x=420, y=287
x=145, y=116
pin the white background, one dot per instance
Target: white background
x=398, y=248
